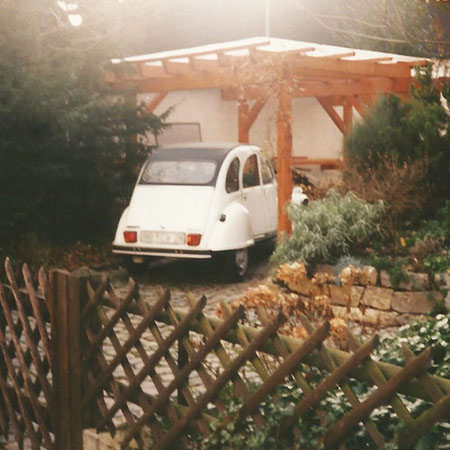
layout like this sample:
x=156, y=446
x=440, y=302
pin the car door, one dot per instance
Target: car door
x=270, y=193
x=253, y=196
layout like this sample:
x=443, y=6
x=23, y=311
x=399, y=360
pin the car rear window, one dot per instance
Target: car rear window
x=183, y=172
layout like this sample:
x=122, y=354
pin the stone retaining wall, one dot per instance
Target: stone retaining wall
x=368, y=297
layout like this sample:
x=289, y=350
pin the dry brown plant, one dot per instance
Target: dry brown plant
x=401, y=187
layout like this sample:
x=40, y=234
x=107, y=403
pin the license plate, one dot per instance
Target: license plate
x=163, y=237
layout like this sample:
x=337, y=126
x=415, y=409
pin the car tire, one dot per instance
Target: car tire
x=238, y=264
x=134, y=268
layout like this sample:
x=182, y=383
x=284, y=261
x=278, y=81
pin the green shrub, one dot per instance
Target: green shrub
x=412, y=135
x=247, y=436
x=329, y=228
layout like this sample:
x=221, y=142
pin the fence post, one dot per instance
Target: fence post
x=183, y=359
x=67, y=296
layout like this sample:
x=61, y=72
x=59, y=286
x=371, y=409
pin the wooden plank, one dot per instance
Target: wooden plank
x=7, y=397
x=94, y=300
x=439, y=412
x=210, y=344
x=243, y=131
x=426, y=380
x=337, y=432
x=329, y=383
x=28, y=384
x=96, y=342
x=240, y=388
x=347, y=67
x=172, y=411
x=126, y=347
x=113, y=384
x=412, y=388
x=379, y=379
x=334, y=116
x=257, y=364
x=223, y=378
x=348, y=118
x=323, y=162
x=35, y=303
x=284, y=154
x=346, y=388
x=282, y=371
x=150, y=365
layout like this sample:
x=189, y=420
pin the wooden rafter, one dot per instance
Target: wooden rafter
x=334, y=116
x=358, y=105
x=247, y=116
x=155, y=102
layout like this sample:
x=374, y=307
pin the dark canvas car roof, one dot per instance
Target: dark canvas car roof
x=194, y=151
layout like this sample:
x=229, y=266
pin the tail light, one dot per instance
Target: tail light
x=193, y=239
x=130, y=236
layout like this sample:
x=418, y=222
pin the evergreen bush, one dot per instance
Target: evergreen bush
x=326, y=229
x=404, y=146
x=66, y=137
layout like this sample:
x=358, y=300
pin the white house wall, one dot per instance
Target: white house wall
x=314, y=134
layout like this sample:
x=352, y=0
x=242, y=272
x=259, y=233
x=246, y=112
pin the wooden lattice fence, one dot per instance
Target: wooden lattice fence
x=152, y=375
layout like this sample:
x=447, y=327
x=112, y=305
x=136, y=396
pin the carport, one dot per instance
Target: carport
x=251, y=71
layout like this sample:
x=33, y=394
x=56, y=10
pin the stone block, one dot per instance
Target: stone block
x=304, y=287
x=416, y=281
x=442, y=280
x=385, y=279
x=415, y=302
x=345, y=296
x=368, y=316
x=377, y=297
x=371, y=274
x=326, y=268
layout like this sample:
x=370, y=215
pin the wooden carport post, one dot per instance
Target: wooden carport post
x=284, y=153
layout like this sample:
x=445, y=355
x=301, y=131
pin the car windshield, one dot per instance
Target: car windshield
x=184, y=172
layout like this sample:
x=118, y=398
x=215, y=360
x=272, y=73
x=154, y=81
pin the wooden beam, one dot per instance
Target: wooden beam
x=358, y=105
x=155, y=102
x=329, y=163
x=334, y=116
x=339, y=55
x=329, y=88
x=247, y=116
x=348, y=67
x=243, y=131
x=348, y=118
x=208, y=65
x=177, y=66
x=205, y=51
x=284, y=154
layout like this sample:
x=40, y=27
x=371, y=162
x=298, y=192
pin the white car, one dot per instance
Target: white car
x=197, y=201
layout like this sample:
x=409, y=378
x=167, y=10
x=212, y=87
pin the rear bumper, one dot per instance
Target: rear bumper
x=168, y=253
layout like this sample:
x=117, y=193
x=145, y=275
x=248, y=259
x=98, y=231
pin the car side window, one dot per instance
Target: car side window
x=266, y=171
x=232, y=180
x=251, y=172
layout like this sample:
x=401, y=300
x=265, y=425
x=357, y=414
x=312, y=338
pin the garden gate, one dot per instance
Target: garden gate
x=75, y=356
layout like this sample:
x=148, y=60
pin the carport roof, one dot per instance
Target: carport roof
x=247, y=68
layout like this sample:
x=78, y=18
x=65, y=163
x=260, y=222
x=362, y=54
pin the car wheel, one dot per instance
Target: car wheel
x=238, y=264
x=134, y=268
